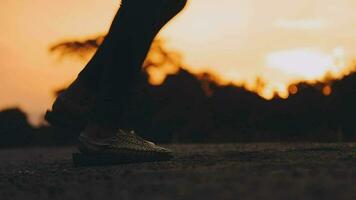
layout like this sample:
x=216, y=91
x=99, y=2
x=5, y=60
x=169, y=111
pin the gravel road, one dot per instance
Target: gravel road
x=226, y=171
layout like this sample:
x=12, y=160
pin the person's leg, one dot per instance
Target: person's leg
x=122, y=55
x=131, y=33
x=138, y=22
x=136, y=15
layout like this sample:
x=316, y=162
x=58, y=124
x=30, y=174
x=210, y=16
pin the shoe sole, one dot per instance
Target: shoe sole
x=125, y=157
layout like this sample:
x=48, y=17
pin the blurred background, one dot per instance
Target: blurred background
x=227, y=71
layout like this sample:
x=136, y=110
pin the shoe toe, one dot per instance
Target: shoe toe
x=163, y=150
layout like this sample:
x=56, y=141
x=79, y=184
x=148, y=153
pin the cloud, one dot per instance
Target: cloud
x=302, y=24
x=309, y=62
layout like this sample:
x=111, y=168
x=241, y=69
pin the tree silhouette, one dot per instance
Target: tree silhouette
x=188, y=107
x=193, y=108
x=158, y=55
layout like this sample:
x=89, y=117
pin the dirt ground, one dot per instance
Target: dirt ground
x=230, y=171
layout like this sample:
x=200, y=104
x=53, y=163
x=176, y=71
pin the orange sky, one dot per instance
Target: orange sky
x=237, y=40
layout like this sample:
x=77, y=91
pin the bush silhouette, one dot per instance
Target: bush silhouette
x=14, y=128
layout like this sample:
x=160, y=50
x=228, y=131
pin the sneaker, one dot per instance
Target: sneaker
x=125, y=145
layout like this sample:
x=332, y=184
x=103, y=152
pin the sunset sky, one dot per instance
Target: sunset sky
x=281, y=41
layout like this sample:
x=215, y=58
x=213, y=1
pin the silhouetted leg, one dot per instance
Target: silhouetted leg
x=147, y=17
x=112, y=71
x=118, y=62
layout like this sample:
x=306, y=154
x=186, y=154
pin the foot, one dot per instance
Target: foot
x=125, y=145
x=72, y=107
